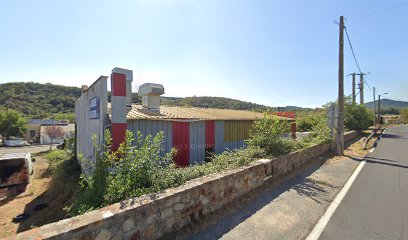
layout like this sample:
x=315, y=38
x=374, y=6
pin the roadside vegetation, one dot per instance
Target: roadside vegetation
x=404, y=115
x=141, y=166
x=12, y=123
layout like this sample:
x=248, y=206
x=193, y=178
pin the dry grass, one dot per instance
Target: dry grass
x=44, y=188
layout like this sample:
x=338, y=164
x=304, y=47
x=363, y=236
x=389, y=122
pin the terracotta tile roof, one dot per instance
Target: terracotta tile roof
x=192, y=113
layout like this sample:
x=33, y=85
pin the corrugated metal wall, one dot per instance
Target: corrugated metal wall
x=190, y=137
x=219, y=137
x=210, y=134
x=197, y=142
x=152, y=127
x=89, y=126
x=235, y=132
x=181, y=141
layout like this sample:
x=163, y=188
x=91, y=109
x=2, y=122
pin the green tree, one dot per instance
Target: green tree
x=404, y=115
x=306, y=121
x=269, y=133
x=12, y=124
x=357, y=117
x=65, y=116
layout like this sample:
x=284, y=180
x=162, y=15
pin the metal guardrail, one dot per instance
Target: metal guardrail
x=367, y=140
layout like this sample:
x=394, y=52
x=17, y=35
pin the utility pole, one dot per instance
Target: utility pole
x=340, y=125
x=354, y=87
x=379, y=110
x=374, y=106
x=361, y=86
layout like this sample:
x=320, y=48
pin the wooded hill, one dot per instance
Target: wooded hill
x=36, y=100
x=389, y=106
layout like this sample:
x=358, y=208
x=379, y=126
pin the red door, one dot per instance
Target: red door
x=181, y=141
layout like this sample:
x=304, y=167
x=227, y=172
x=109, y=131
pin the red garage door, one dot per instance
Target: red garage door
x=181, y=141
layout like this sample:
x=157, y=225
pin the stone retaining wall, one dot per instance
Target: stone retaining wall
x=152, y=216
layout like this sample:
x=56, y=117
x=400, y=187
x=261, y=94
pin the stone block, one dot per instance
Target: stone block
x=104, y=234
x=179, y=206
x=128, y=225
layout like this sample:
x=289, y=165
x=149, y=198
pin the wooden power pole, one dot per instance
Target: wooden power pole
x=340, y=125
x=379, y=110
x=361, y=88
x=374, y=106
x=354, y=87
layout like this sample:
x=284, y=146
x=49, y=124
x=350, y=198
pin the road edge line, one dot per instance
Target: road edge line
x=321, y=224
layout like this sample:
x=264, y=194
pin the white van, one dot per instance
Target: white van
x=15, y=171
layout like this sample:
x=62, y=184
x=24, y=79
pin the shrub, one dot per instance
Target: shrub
x=268, y=134
x=306, y=121
x=404, y=115
x=144, y=168
x=320, y=133
x=357, y=117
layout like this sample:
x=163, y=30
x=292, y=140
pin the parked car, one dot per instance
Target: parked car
x=15, y=171
x=16, y=142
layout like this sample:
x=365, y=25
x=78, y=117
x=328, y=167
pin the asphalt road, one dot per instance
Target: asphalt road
x=31, y=149
x=376, y=206
x=284, y=209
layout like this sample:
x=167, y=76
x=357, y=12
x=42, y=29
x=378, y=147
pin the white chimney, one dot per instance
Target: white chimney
x=84, y=88
x=129, y=79
x=150, y=93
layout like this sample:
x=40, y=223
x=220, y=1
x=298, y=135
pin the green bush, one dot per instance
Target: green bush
x=144, y=168
x=173, y=176
x=357, y=117
x=404, y=115
x=319, y=134
x=307, y=121
x=269, y=133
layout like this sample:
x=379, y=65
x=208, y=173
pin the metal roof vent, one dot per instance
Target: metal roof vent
x=150, y=93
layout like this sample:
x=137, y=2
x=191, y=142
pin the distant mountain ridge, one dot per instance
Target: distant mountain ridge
x=36, y=100
x=389, y=103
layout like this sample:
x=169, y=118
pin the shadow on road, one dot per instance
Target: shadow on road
x=381, y=161
x=387, y=135
x=243, y=209
x=223, y=221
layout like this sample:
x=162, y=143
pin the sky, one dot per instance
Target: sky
x=271, y=52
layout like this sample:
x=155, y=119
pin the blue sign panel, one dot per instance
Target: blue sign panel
x=94, y=108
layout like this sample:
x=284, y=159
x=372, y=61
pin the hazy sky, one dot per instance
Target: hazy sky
x=276, y=53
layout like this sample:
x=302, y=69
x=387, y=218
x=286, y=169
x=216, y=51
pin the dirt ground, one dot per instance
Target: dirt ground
x=41, y=190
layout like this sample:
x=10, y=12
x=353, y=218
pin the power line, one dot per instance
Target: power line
x=352, y=50
x=367, y=85
x=388, y=9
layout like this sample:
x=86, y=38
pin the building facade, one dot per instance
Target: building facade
x=196, y=133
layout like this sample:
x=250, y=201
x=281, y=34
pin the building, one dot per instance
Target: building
x=194, y=132
x=390, y=119
x=37, y=130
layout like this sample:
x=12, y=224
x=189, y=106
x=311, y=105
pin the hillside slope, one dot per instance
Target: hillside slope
x=214, y=102
x=388, y=103
x=36, y=100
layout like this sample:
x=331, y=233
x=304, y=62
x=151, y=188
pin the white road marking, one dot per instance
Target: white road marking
x=319, y=227
x=372, y=150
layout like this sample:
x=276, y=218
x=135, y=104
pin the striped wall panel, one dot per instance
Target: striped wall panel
x=197, y=142
x=236, y=130
x=219, y=137
x=152, y=127
x=181, y=141
x=234, y=145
